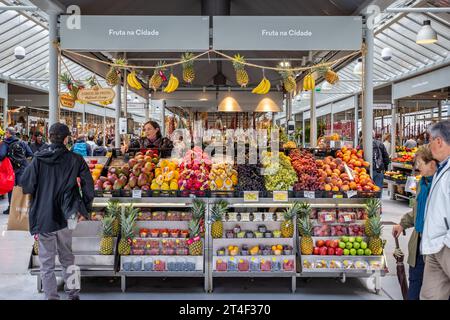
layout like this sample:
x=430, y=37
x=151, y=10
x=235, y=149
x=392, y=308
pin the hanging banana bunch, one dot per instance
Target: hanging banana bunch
x=241, y=75
x=309, y=83
x=263, y=87
x=172, y=85
x=133, y=81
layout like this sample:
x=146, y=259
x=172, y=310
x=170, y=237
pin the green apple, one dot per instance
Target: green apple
x=346, y=252
x=359, y=239
x=349, y=245
x=368, y=252
x=363, y=245
x=356, y=245
x=341, y=245
x=351, y=239
x=353, y=252
x=344, y=239
x=360, y=252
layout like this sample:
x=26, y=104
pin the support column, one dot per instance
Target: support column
x=83, y=120
x=117, y=105
x=104, y=126
x=303, y=128
x=5, y=107
x=147, y=108
x=367, y=115
x=163, y=121
x=288, y=110
x=440, y=110
x=313, y=121
x=356, y=131
x=332, y=120
x=53, y=89
x=393, y=128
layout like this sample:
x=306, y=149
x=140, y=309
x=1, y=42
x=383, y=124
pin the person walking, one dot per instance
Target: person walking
x=17, y=151
x=81, y=147
x=427, y=166
x=38, y=143
x=51, y=179
x=380, y=162
x=387, y=143
x=435, y=243
x=91, y=144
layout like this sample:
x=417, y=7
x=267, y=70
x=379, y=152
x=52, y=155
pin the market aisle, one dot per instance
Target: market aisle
x=19, y=284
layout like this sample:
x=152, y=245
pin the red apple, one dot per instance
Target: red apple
x=330, y=251
x=339, y=251
x=323, y=251
x=328, y=243
x=316, y=251
x=334, y=244
x=320, y=243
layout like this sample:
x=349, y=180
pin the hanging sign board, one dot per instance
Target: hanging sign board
x=137, y=33
x=96, y=95
x=287, y=33
x=427, y=82
x=67, y=100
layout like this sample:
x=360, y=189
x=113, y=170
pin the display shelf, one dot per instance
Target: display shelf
x=222, y=242
x=408, y=166
x=402, y=196
x=250, y=274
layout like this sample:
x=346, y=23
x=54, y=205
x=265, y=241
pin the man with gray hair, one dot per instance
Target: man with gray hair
x=435, y=243
x=17, y=151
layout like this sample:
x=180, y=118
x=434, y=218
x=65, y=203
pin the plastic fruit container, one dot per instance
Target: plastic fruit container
x=221, y=265
x=136, y=265
x=184, y=234
x=182, y=251
x=173, y=216
x=171, y=264
x=327, y=216
x=127, y=264
x=190, y=265
x=159, y=216
x=255, y=265
x=174, y=233
x=307, y=264
x=138, y=252
x=288, y=265
x=335, y=264
x=262, y=228
x=346, y=217
x=232, y=264
x=322, y=231
x=243, y=265
x=159, y=265
x=164, y=233
x=338, y=230
x=154, y=233
x=229, y=234
x=185, y=216
x=148, y=264
x=259, y=234
x=275, y=264
x=277, y=234
x=265, y=265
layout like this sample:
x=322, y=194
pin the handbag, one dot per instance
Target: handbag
x=7, y=176
x=19, y=209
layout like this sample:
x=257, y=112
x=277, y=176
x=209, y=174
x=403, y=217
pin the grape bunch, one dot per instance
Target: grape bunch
x=278, y=176
x=250, y=178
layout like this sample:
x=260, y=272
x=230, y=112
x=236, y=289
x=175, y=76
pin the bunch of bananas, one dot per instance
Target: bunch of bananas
x=133, y=81
x=263, y=87
x=172, y=85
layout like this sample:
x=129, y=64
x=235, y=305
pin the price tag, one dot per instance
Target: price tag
x=347, y=218
x=337, y=196
x=408, y=166
x=328, y=218
x=351, y=193
x=137, y=194
x=280, y=196
x=310, y=194
x=251, y=196
x=107, y=195
x=332, y=144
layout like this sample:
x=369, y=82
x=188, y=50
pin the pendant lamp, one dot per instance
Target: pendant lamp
x=267, y=105
x=229, y=104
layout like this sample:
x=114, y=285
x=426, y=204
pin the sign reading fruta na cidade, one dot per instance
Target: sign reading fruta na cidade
x=96, y=95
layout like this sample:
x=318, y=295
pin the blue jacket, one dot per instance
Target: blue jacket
x=4, y=147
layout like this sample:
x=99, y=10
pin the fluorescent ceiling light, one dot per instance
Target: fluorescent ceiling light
x=426, y=34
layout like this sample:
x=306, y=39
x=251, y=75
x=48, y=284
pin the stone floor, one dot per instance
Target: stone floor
x=17, y=283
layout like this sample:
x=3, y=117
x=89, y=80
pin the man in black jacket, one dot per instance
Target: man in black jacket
x=381, y=162
x=52, y=180
x=38, y=144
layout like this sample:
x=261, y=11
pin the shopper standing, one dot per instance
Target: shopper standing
x=380, y=162
x=17, y=151
x=91, y=144
x=436, y=232
x=387, y=143
x=427, y=166
x=38, y=143
x=51, y=179
x=81, y=147
x=410, y=143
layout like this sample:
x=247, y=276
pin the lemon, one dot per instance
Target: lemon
x=165, y=186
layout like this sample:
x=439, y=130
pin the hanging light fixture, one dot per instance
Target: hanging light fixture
x=267, y=105
x=386, y=54
x=229, y=104
x=426, y=34
x=326, y=86
x=358, y=69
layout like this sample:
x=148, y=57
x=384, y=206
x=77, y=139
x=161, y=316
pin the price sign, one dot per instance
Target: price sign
x=280, y=196
x=337, y=196
x=351, y=193
x=137, y=194
x=251, y=196
x=347, y=218
x=328, y=218
x=310, y=194
x=107, y=195
x=408, y=166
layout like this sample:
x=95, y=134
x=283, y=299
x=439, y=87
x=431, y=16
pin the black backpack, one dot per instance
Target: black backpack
x=378, y=162
x=16, y=154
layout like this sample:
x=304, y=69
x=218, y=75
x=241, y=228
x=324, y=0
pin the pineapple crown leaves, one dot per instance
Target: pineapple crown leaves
x=304, y=210
x=219, y=208
x=120, y=61
x=113, y=208
x=159, y=67
x=65, y=78
x=131, y=211
x=238, y=62
x=91, y=81
x=128, y=225
x=194, y=228
x=198, y=209
x=107, y=226
x=305, y=227
x=291, y=211
x=373, y=206
x=376, y=226
x=187, y=59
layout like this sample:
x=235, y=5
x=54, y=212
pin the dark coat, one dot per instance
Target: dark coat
x=4, y=149
x=51, y=179
x=35, y=147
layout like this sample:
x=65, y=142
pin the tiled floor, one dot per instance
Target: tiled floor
x=20, y=284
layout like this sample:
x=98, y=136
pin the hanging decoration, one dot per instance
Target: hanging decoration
x=156, y=80
x=172, y=85
x=309, y=83
x=132, y=81
x=113, y=75
x=188, y=67
x=289, y=83
x=263, y=87
x=241, y=75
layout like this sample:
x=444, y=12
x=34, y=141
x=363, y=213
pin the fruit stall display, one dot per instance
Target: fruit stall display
x=402, y=165
x=404, y=155
x=96, y=165
x=342, y=239
x=279, y=175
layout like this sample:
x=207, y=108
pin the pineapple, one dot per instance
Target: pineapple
x=287, y=226
x=375, y=243
x=128, y=224
x=373, y=209
x=188, y=67
x=218, y=210
x=195, y=242
x=156, y=80
x=112, y=77
x=113, y=210
x=241, y=74
x=289, y=82
x=107, y=241
x=198, y=209
x=306, y=242
x=304, y=210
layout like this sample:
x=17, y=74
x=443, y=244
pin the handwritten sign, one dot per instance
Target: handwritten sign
x=310, y=194
x=96, y=94
x=251, y=196
x=280, y=196
x=137, y=194
x=67, y=100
